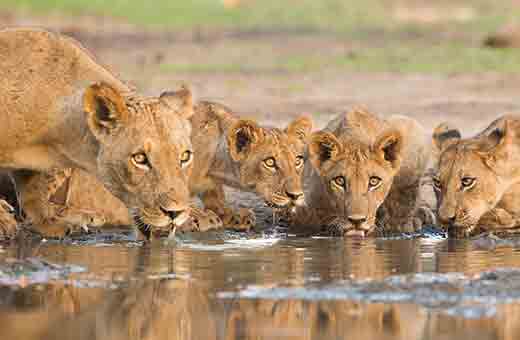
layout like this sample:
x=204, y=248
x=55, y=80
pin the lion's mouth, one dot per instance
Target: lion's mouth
x=458, y=231
x=280, y=201
x=146, y=221
x=340, y=227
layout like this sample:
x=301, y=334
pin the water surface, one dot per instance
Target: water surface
x=263, y=286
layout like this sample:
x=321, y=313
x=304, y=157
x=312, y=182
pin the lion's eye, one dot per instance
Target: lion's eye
x=186, y=157
x=140, y=160
x=374, y=182
x=299, y=161
x=339, y=181
x=270, y=162
x=467, y=182
x=436, y=183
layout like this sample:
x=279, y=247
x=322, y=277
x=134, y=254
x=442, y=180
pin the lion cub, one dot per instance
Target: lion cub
x=477, y=179
x=366, y=172
x=241, y=154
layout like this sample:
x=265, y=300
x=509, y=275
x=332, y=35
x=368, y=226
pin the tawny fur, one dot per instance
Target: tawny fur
x=61, y=109
x=477, y=179
x=216, y=164
x=354, y=150
x=233, y=152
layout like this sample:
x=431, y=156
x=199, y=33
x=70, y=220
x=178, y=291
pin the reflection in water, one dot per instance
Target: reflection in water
x=193, y=289
x=171, y=309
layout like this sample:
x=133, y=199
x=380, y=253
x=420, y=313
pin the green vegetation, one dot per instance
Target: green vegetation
x=186, y=14
x=335, y=15
x=384, y=42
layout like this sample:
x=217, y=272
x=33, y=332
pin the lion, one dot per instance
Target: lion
x=477, y=179
x=61, y=109
x=241, y=154
x=230, y=151
x=366, y=172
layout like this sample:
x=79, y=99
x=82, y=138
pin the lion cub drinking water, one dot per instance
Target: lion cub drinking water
x=241, y=154
x=366, y=172
x=478, y=179
x=228, y=151
x=61, y=109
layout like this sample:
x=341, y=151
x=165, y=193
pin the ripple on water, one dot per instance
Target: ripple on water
x=230, y=244
x=15, y=272
x=453, y=293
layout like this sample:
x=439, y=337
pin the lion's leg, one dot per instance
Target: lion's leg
x=8, y=224
x=400, y=211
x=306, y=220
x=215, y=200
x=505, y=217
x=45, y=200
x=499, y=220
x=73, y=220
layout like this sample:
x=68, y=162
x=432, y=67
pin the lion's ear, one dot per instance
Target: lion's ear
x=323, y=147
x=105, y=107
x=389, y=146
x=499, y=137
x=180, y=101
x=242, y=137
x=443, y=136
x=300, y=128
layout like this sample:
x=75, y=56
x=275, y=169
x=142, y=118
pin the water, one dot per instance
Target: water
x=264, y=286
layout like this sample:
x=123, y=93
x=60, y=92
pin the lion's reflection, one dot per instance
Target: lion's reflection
x=171, y=309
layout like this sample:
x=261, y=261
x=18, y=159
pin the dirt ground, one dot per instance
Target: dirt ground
x=255, y=88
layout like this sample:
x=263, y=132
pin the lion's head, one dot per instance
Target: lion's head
x=270, y=160
x=144, y=151
x=473, y=174
x=356, y=174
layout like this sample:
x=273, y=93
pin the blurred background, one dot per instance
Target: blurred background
x=273, y=59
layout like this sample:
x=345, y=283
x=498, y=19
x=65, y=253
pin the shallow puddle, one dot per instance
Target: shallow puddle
x=264, y=286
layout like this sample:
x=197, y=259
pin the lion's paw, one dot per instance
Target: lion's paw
x=8, y=224
x=243, y=221
x=202, y=220
x=336, y=226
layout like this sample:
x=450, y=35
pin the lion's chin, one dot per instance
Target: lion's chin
x=146, y=221
x=359, y=231
x=356, y=233
x=456, y=231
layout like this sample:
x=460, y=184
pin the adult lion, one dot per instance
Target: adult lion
x=59, y=108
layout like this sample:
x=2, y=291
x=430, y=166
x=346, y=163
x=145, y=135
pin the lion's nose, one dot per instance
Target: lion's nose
x=357, y=220
x=294, y=195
